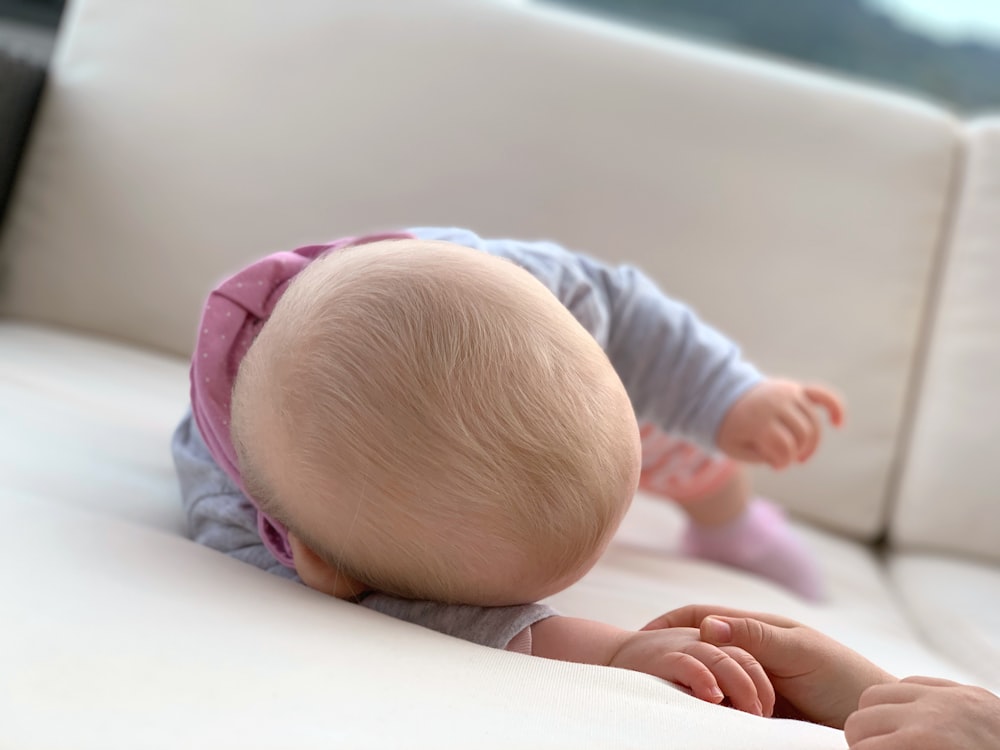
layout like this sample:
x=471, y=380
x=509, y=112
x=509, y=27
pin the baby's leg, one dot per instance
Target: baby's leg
x=727, y=525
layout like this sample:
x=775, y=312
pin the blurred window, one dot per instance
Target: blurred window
x=28, y=29
x=946, y=50
x=36, y=12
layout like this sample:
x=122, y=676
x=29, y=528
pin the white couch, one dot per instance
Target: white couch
x=838, y=231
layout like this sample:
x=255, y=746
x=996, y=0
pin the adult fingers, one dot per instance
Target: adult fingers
x=828, y=400
x=891, y=693
x=692, y=615
x=929, y=681
x=873, y=722
x=777, y=648
x=883, y=742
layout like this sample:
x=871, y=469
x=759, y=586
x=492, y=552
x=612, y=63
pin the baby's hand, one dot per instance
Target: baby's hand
x=711, y=673
x=816, y=678
x=777, y=422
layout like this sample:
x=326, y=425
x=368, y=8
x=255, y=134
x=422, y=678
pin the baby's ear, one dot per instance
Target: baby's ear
x=317, y=574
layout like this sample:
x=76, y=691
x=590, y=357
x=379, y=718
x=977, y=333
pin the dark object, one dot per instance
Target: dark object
x=38, y=12
x=852, y=36
x=20, y=87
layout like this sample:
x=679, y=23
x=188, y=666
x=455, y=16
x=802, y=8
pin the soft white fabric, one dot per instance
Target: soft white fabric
x=180, y=139
x=956, y=605
x=127, y=637
x=87, y=423
x=949, y=495
x=113, y=613
x=800, y=214
x=641, y=577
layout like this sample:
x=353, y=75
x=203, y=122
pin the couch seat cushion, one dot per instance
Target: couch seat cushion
x=87, y=422
x=955, y=604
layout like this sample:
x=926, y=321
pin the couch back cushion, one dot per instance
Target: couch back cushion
x=798, y=213
x=948, y=495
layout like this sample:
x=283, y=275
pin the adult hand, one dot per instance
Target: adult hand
x=923, y=713
x=777, y=422
x=815, y=677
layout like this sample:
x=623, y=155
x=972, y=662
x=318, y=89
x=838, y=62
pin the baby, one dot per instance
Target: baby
x=444, y=429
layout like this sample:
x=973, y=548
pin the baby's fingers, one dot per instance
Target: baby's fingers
x=686, y=670
x=815, y=429
x=732, y=678
x=778, y=446
x=804, y=427
x=828, y=400
x=753, y=669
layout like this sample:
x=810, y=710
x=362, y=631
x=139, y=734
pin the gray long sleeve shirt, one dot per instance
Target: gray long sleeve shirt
x=679, y=373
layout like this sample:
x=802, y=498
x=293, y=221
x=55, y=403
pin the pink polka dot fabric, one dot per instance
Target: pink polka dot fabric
x=234, y=313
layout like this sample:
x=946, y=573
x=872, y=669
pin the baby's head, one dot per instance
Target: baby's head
x=431, y=421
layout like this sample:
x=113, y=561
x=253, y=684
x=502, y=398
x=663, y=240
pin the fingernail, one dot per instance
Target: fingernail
x=719, y=631
x=717, y=695
x=758, y=709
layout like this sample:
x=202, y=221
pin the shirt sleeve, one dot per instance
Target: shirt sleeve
x=219, y=516
x=679, y=372
x=488, y=626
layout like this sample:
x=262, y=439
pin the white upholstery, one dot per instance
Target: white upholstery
x=949, y=495
x=117, y=612
x=956, y=605
x=87, y=423
x=129, y=637
x=179, y=140
x=638, y=579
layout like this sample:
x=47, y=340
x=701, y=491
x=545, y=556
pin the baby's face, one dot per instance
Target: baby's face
x=444, y=428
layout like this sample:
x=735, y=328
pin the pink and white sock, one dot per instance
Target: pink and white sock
x=760, y=541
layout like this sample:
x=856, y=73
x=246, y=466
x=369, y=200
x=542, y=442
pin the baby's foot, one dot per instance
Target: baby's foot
x=760, y=541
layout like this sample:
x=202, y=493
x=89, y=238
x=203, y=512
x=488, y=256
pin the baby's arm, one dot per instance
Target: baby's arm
x=509, y=628
x=777, y=422
x=687, y=377
x=676, y=654
x=678, y=371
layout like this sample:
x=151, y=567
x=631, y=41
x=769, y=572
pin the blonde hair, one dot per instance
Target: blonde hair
x=447, y=427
